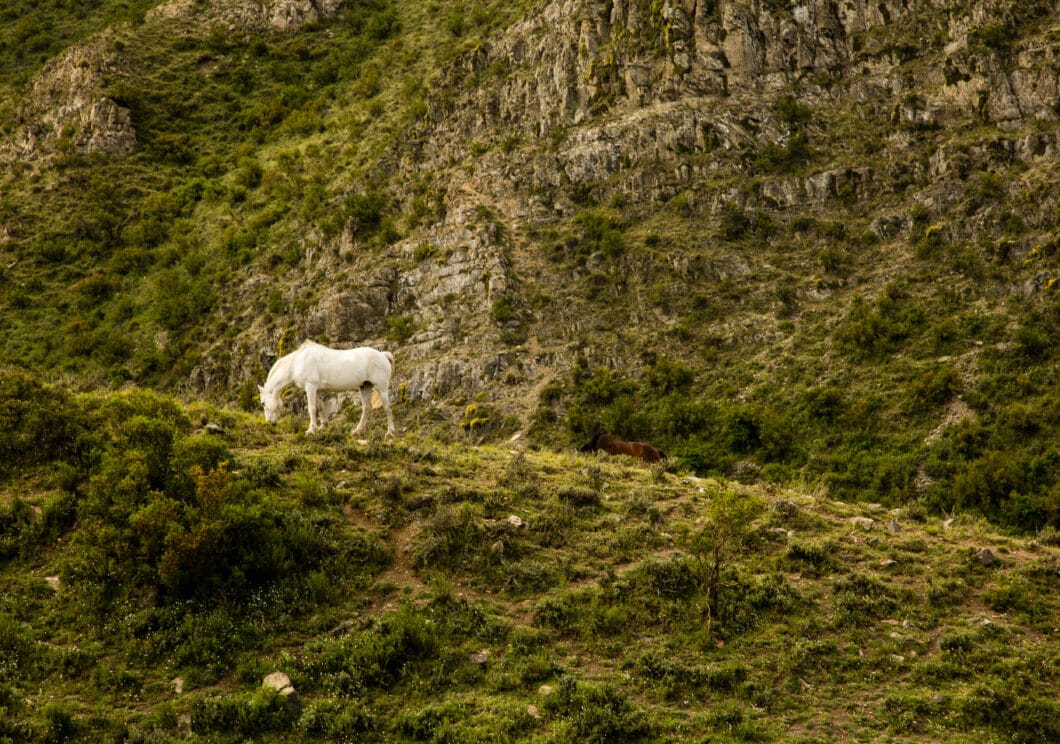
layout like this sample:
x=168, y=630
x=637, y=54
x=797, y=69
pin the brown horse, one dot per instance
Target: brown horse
x=612, y=446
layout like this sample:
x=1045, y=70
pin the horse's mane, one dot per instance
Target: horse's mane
x=307, y=343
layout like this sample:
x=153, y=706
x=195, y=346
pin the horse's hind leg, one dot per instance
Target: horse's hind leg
x=385, y=397
x=366, y=404
x=322, y=410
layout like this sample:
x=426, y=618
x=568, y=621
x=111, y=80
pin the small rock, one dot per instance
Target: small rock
x=544, y=690
x=986, y=557
x=948, y=523
x=893, y=527
x=887, y=563
x=497, y=548
x=282, y=684
x=864, y=523
x=873, y=541
x=212, y=428
x=480, y=657
x=178, y=685
x=279, y=682
x=533, y=711
x=53, y=582
x=515, y=521
x=786, y=508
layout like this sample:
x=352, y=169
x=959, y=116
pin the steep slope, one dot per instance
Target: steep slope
x=806, y=242
x=156, y=571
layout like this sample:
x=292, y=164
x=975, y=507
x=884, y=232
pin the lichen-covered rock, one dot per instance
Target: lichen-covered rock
x=66, y=106
x=281, y=15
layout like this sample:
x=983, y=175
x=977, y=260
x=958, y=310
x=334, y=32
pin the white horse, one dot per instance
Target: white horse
x=318, y=369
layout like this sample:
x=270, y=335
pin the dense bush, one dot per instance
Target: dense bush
x=39, y=423
x=872, y=330
x=163, y=531
x=379, y=656
x=597, y=714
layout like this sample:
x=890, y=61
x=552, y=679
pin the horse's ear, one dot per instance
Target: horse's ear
x=261, y=388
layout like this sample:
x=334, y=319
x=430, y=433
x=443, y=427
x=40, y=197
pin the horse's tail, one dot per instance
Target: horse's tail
x=389, y=358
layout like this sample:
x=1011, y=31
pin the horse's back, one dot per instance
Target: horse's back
x=343, y=369
x=651, y=454
x=613, y=446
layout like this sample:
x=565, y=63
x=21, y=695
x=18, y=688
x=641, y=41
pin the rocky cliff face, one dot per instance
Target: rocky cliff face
x=618, y=101
x=248, y=15
x=649, y=100
x=66, y=108
x=652, y=99
x=640, y=81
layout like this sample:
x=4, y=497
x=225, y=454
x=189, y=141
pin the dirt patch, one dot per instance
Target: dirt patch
x=956, y=412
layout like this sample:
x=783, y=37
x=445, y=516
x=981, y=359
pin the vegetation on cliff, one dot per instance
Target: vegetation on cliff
x=156, y=570
x=812, y=256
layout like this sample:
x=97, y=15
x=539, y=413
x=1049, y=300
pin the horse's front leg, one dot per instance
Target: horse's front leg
x=311, y=402
x=366, y=403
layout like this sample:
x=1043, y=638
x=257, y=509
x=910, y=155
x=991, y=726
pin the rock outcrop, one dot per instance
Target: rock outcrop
x=66, y=108
x=646, y=99
x=280, y=15
x=647, y=81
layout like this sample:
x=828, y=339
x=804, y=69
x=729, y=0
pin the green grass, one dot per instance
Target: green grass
x=795, y=346
x=884, y=349
x=389, y=583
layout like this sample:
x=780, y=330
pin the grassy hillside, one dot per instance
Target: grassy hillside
x=891, y=343
x=830, y=296
x=156, y=570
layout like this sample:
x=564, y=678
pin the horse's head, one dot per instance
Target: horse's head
x=591, y=446
x=273, y=404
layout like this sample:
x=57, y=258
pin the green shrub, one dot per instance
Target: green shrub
x=247, y=714
x=1001, y=705
x=861, y=599
x=811, y=557
x=790, y=111
x=453, y=536
x=336, y=720
x=377, y=657
x=599, y=231
x=597, y=714
x=56, y=724
x=872, y=330
x=674, y=579
x=579, y=497
x=38, y=423
x=786, y=156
